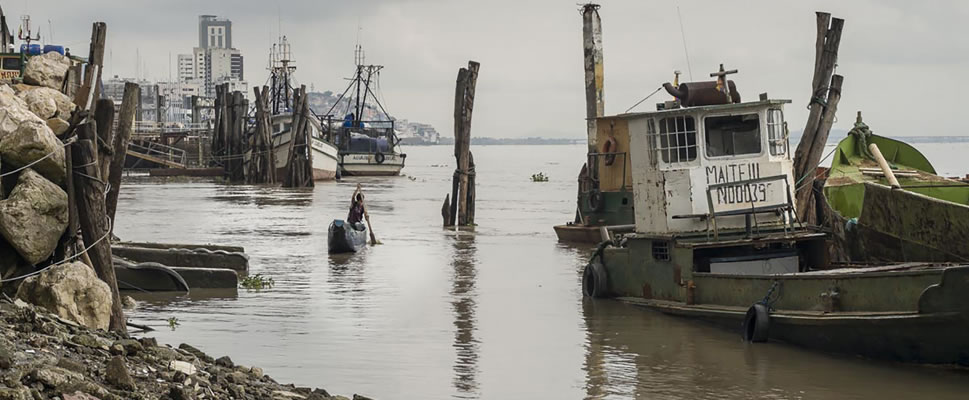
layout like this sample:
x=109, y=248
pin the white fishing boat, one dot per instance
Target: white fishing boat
x=365, y=136
x=325, y=155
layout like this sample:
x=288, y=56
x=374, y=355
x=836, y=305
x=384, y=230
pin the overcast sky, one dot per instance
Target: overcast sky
x=905, y=63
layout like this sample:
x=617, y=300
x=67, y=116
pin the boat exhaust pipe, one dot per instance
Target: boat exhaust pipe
x=694, y=94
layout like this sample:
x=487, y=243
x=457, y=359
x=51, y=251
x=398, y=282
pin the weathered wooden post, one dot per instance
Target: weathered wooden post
x=88, y=92
x=104, y=116
x=299, y=166
x=262, y=165
x=825, y=94
x=595, y=104
x=462, y=196
x=95, y=225
x=126, y=125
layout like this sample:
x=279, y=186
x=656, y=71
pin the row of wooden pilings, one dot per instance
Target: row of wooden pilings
x=243, y=143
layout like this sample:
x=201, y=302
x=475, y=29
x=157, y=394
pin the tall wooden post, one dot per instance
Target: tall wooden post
x=104, y=116
x=262, y=164
x=809, y=150
x=93, y=218
x=88, y=93
x=126, y=125
x=594, y=89
x=462, y=196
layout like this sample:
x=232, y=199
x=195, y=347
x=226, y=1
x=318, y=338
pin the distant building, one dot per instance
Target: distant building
x=214, y=61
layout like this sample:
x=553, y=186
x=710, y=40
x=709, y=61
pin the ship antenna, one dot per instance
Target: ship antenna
x=689, y=68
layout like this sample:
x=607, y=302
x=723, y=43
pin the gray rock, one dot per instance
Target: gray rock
x=237, y=391
x=360, y=397
x=79, y=396
x=71, y=291
x=54, y=377
x=117, y=374
x=25, y=138
x=224, y=361
x=21, y=393
x=236, y=377
x=179, y=393
x=130, y=346
x=256, y=372
x=34, y=216
x=58, y=126
x=71, y=365
x=196, y=352
x=47, y=70
x=41, y=98
x=129, y=303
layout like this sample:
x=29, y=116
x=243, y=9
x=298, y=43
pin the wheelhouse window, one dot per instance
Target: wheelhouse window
x=732, y=135
x=776, y=132
x=675, y=140
x=11, y=63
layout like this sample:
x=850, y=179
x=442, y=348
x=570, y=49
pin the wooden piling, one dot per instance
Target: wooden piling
x=95, y=226
x=594, y=89
x=462, y=195
x=262, y=163
x=810, y=149
x=126, y=124
x=104, y=116
x=299, y=165
x=89, y=91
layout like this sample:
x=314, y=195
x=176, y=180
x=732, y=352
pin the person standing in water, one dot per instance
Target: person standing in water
x=355, y=218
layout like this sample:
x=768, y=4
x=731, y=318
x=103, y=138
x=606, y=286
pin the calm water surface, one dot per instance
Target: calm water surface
x=493, y=313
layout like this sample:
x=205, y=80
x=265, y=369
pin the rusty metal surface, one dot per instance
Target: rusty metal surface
x=693, y=94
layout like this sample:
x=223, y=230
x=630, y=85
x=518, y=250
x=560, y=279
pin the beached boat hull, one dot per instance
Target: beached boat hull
x=342, y=238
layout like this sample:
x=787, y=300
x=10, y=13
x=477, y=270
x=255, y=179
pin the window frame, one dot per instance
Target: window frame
x=656, y=137
x=783, y=141
x=760, y=138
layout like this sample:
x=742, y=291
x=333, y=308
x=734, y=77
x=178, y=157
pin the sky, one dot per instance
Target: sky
x=905, y=63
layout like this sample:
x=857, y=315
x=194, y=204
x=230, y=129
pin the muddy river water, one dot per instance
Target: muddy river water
x=493, y=313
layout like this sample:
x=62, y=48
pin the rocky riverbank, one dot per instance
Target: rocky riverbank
x=43, y=356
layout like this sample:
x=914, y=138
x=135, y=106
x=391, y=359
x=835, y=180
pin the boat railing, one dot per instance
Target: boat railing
x=160, y=153
x=785, y=207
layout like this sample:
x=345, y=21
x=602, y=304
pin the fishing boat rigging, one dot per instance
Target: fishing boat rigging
x=365, y=135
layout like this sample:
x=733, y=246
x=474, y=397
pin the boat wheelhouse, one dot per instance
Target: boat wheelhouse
x=716, y=238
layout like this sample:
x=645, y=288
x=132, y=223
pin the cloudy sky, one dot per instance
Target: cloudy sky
x=905, y=63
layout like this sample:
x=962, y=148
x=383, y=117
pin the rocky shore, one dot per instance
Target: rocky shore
x=43, y=356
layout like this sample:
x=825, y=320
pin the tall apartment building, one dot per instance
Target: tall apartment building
x=214, y=61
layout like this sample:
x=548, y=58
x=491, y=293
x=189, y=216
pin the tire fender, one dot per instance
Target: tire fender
x=756, y=323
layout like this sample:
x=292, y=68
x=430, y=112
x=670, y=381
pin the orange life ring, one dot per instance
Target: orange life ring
x=608, y=149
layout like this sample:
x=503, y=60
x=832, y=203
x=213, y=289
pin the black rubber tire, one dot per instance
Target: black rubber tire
x=595, y=282
x=756, y=323
x=379, y=158
x=595, y=200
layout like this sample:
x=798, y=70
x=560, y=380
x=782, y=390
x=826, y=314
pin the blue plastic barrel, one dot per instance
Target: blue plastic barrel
x=35, y=49
x=54, y=49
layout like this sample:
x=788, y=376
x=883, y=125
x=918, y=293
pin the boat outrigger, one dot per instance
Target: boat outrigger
x=367, y=139
x=716, y=238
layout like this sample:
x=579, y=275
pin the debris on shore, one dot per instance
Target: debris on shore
x=43, y=356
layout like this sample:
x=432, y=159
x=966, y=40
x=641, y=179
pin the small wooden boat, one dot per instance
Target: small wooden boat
x=344, y=238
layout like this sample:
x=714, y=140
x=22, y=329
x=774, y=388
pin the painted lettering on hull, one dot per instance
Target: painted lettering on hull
x=745, y=193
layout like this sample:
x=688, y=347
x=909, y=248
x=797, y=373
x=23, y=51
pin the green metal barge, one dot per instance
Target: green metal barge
x=716, y=239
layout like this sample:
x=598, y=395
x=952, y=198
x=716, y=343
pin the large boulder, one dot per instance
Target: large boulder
x=34, y=216
x=48, y=103
x=25, y=138
x=47, y=70
x=71, y=291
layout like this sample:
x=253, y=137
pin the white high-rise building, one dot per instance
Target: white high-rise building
x=214, y=61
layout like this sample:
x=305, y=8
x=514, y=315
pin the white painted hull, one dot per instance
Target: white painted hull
x=365, y=164
x=325, y=157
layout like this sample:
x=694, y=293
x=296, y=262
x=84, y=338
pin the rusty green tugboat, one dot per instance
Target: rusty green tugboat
x=716, y=239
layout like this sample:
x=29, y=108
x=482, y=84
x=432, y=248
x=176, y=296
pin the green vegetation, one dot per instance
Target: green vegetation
x=173, y=322
x=257, y=282
x=539, y=177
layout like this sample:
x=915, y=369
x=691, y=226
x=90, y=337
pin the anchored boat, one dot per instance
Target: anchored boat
x=716, y=239
x=324, y=154
x=925, y=218
x=366, y=138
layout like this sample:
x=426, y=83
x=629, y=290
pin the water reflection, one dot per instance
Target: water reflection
x=463, y=296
